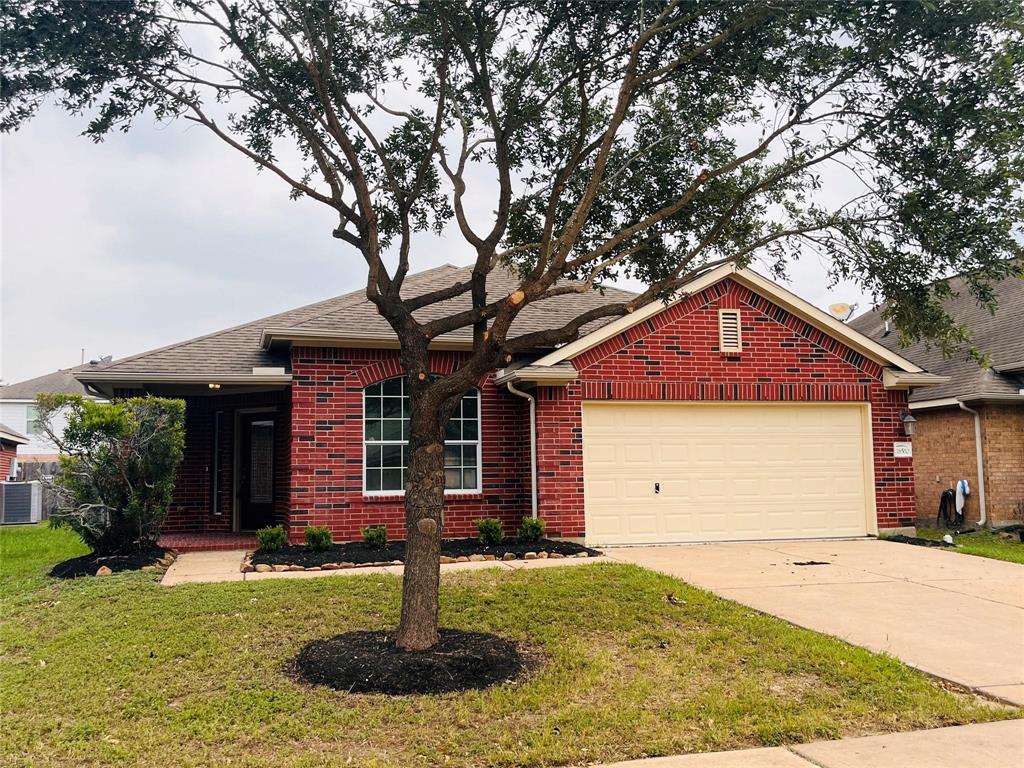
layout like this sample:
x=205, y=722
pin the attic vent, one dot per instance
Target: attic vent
x=729, y=330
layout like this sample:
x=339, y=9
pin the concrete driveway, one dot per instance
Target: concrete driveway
x=955, y=616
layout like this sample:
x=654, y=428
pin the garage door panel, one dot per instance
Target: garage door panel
x=726, y=471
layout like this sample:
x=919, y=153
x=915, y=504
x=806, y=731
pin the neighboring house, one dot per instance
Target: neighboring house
x=739, y=411
x=17, y=408
x=977, y=417
x=10, y=441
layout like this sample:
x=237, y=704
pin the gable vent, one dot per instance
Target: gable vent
x=729, y=330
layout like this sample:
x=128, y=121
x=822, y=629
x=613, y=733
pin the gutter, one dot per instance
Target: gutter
x=533, y=443
x=979, y=457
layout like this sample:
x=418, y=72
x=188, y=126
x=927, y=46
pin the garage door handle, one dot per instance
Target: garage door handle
x=657, y=487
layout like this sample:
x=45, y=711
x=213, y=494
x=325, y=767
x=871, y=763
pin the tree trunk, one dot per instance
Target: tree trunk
x=424, y=500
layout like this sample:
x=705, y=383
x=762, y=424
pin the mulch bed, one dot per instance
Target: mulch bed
x=361, y=553
x=87, y=565
x=918, y=542
x=370, y=662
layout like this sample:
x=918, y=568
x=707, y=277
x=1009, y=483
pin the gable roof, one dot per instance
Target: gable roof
x=58, y=382
x=1000, y=335
x=8, y=435
x=347, y=320
x=760, y=285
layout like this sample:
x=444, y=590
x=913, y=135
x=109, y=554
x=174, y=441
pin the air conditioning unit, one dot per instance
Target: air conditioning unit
x=21, y=502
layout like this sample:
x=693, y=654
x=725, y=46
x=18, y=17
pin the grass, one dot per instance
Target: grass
x=121, y=671
x=982, y=543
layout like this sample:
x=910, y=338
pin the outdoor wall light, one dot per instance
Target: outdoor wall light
x=213, y=386
x=909, y=423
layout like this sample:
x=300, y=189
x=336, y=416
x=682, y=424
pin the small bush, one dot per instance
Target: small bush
x=490, y=530
x=318, y=538
x=532, y=529
x=376, y=536
x=272, y=538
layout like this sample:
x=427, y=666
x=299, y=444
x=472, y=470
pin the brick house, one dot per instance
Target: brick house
x=976, y=418
x=10, y=441
x=737, y=411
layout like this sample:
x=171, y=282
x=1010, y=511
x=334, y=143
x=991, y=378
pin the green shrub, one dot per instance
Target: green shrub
x=532, y=529
x=376, y=536
x=490, y=530
x=318, y=538
x=272, y=538
x=117, y=467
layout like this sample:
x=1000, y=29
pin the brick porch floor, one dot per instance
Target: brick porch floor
x=206, y=542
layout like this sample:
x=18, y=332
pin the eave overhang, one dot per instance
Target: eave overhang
x=896, y=379
x=287, y=337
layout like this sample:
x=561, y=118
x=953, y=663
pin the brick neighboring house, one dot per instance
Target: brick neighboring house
x=10, y=440
x=977, y=416
x=738, y=411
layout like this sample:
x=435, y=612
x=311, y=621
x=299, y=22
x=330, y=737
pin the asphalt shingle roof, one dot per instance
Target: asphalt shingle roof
x=1000, y=335
x=58, y=382
x=237, y=350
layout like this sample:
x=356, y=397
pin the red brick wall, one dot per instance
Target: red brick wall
x=943, y=454
x=191, y=508
x=8, y=452
x=327, y=448
x=675, y=356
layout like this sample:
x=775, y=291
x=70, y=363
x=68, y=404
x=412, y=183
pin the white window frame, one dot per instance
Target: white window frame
x=731, y=350
x=447, y=492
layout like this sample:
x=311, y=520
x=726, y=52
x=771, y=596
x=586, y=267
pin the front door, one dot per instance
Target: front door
x=255, y=471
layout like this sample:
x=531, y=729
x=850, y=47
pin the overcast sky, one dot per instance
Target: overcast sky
x=162, y=234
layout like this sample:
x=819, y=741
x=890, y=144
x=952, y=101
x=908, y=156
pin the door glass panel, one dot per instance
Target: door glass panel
x=261, y=483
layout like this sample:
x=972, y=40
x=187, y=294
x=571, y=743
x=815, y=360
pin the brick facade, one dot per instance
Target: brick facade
x=327, y=448
x=674, y=356
x=1002, y=432
x=8, y=453
x=944, y=452
x=192, y=509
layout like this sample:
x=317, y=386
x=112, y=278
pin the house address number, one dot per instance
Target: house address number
x=902, y=450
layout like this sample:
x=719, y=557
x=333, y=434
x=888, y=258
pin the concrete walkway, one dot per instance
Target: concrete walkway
x=955, y=616
x=208, y=567
x=988, y=745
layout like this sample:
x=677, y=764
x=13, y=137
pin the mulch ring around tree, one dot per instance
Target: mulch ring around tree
x=89, y=565
x=361, y=553
x=370, y=662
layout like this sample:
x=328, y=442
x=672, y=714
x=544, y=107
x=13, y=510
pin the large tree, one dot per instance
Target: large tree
x=649, y=139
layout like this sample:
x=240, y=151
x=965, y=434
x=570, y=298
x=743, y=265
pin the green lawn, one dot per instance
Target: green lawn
x=121, y=671
x=982, y=543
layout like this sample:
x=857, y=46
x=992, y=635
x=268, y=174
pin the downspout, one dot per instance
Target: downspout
x=533, y=444
x=981, y=462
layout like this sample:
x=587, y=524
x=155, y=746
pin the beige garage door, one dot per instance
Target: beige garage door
x=678, y=472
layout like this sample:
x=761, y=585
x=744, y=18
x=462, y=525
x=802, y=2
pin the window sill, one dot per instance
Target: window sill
x=399, y=497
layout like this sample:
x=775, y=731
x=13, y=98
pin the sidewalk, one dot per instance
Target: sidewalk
x=207, y=567
x=987, y=745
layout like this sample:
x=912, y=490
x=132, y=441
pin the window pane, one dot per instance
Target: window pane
x=392, y=429
x=392, y=386
x=391, y=480
x=373, y=479
x=373, y=429
x=373, y=389
x=391, y=456
x=469, y=430
x=452, y=456
x=393, y=407
x=452, y=432
x=469, y=455
x=373, y=456
x=452, y=479
x=469, y=478
x=405, y=429
x=373, y=407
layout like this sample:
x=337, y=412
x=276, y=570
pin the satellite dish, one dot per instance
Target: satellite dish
x=842, y=311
